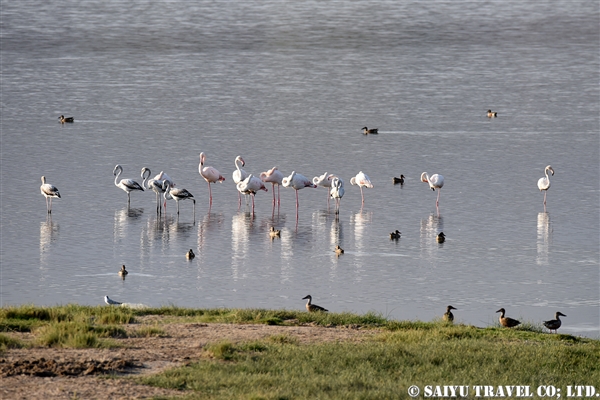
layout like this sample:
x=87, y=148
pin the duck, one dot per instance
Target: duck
x=64, y=119
x=555, y=323
x=273, y=233
x=338, y=250
x=123, y=271
x=398, y=180
x=190, y=254
x=367, y=131
x=492, y=114
x=395, y=235
x=506, y=321
x=441, y=238
x=448, y=316
x=312, y=307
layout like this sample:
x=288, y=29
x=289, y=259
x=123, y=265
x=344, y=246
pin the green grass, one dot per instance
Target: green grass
x=385, y=366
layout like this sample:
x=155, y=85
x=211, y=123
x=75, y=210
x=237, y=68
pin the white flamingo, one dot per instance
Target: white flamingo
x=250, y=186
x=361, y=179
x=337, y=192
x=210, y=174
x=324, y=181
x=435, y=181
x=239, y=174
x=275, y=177
x=49, y=191
x=177, y=194
x=128, y=185
x=155, y=184
x=544, y=183
x=297, y=182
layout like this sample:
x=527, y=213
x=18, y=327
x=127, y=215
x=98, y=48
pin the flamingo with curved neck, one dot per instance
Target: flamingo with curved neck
x=435, y=181
x=239, y=174
x=178, y=194
x=210, y=174
x=128, y=185
x=544, y=182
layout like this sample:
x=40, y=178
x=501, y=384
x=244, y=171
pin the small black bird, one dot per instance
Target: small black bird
x=441, y=238
x=399, y=180
x=64, y=119
x=367, y=131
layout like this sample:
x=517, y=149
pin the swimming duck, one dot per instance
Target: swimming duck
x=555, y=323
x=274, y=233
x=338, y=250
x=123, y=271
x=64, y=119
x=367, y=131
x=190, y=254
x=506, y=321
x=398, y=180
x=395, y=235
x=448, y=316
x=441, y=238
x=492, y=114
x=312, y=307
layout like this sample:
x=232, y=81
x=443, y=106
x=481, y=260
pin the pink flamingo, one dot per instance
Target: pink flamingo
x=361, y=179
x=297, y=182
x=239, y=174
x=324, y=181
x=210, y=175
x=275, y=177
x=250, y=186
x=435, y=182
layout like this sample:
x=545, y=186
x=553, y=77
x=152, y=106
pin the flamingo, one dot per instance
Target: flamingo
x=297, y=182
x=49, y=191
x=324, y=181
x=239, y=174
x=178, y=195
x=128, y=185
x=435, y=182
x=361, y=179
x=210, y=174
x=156, y=184
x=250, y=186
x=337, y=192
x=544, y=183
x=275, y=177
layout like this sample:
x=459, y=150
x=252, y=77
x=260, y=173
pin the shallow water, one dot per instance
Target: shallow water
x=154, y=84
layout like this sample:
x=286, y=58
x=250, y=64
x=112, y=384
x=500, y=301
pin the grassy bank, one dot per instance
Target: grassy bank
x=400, y=354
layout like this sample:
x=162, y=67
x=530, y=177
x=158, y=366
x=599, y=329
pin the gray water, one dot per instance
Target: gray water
x=154, y=83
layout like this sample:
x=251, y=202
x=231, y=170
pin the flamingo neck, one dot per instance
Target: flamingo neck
x=118, y=175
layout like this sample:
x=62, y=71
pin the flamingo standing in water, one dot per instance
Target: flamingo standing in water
x=337, y=192
x=177, y=195
x=324, y=181
x=155, y=184
x=210, y=175
x=435, y=182
x=239, y=174
x=361, y=179
x=250, y=186
x=544, y=183
x=275, y=177
x=49, y=191
x=128, y=185
x=297, y=182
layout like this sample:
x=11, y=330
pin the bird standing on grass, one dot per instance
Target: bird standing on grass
x=111, y=302
x=448, y=316
x=555, y=323
x=506, y=321
x=312, y=307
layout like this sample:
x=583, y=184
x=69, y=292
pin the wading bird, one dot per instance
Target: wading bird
x=239, y=174
x=324, y=181
x=128, y=185
x=49, y=191
x=210, y=175
x=337, y=192
x=544, y=183
x=361, y=179
x=178, y=194
x=435, y=182
x=274, y=176
x=250, y=186
x=297, y=182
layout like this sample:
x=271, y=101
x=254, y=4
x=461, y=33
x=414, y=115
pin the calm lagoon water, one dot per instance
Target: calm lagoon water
x=291, y=84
